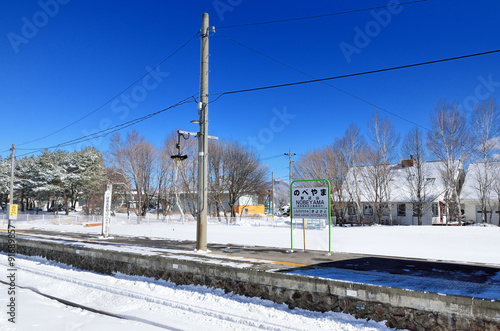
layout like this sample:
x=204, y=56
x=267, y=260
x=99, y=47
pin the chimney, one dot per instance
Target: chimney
x=408, y=163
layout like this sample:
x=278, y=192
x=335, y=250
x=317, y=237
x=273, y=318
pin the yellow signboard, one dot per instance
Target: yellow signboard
x=13, y=211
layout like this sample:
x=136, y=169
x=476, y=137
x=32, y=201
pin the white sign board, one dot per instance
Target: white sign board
x=106, y=219
x=310, y=202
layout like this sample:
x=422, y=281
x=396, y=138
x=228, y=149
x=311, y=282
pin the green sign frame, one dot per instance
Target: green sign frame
x=329, y=211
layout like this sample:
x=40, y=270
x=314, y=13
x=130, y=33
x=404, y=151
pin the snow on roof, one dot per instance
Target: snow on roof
x=478, y=172
x=399, y=181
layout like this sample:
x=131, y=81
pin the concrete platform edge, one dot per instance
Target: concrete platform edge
x=401, y=308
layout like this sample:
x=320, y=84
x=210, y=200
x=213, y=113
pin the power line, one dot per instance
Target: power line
x=108, y=131
x=320, y=16
x=326, y=83
x=104, y=133
x=115, y=96
x=272, y=157
x=115, y=128
x=353, y=75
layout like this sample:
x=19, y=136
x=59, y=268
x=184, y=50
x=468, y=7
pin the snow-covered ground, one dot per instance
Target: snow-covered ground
x=147, y=304
x=474, y=244
x=151, y=304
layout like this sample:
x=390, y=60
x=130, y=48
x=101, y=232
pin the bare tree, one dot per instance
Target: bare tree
x=244, y=173
x=416, y=173
x=164, y=178
x=496, y=184
x=217, y=181
x=353, y=153
x=325, y=163
x=485, y=127
x=384, y=139
x=182, y=176
x=373, y=177
x=337, y=177
x=187, y=175
x=120, y=190
x=450, y=142
x=134, y=157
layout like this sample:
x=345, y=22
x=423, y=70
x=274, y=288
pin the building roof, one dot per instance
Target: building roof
x=399, y=184
x=488, y=173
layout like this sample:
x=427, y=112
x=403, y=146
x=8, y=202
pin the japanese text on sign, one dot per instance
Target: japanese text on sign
x=310, y=202
x=13, y=212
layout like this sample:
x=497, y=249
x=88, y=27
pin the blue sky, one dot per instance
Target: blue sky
x=62, y=60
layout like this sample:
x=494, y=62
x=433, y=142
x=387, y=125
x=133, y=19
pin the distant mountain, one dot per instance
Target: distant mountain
x=279, y=184
x=281, y=191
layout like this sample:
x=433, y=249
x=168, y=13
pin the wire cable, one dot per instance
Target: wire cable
x=320, y=16
x=272, y=157
x=115, y=96
x=104, y=133
x=326, y=83
x=261, y=88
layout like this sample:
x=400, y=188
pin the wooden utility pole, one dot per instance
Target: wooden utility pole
x=11, y=195
x=201, y=233
x=272, y=194
x=290, y=164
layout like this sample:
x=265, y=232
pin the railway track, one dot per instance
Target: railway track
x=115, y=293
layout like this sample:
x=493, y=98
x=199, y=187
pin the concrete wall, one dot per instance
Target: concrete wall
x=400, y=308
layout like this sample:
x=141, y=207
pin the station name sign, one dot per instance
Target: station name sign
x=310, y=202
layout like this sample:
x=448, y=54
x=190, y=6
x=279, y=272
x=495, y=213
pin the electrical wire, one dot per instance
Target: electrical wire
x=117, y=95
x=272, y=157
x=326, y=83
x=320, y=16
x=261, y=88
x=104, y=133
x=188, y=99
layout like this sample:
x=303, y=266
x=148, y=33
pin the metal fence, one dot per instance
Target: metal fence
x=77, y=219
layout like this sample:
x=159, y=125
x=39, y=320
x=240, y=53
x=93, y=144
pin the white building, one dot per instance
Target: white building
x=365, y=184
x=188, y=202
x=482, y=179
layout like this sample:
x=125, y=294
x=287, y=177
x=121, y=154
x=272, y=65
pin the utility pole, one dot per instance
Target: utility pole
x=11, y=195
x=201, y=233
x=272, y=194
x=290, y=154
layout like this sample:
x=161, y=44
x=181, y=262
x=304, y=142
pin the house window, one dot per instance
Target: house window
x=385, y=209
x=415, y=209
x=367, y=210
x=401, y=209
x=435, y=209
x=351, y=209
